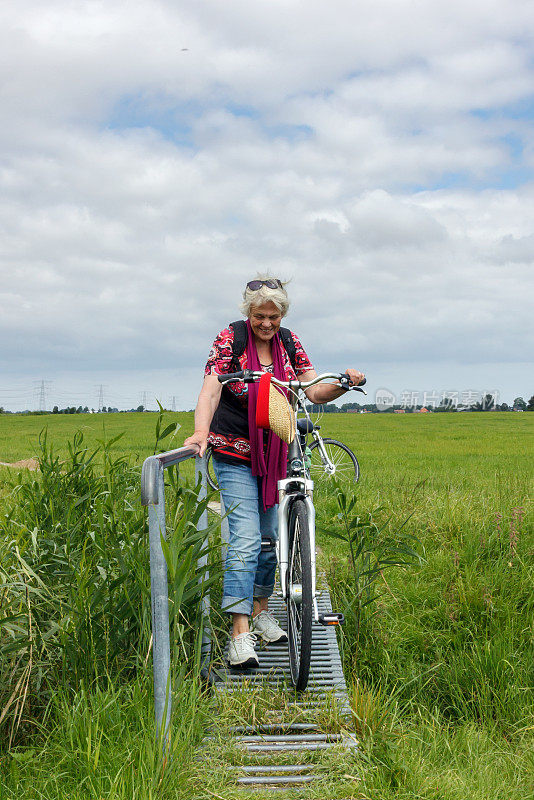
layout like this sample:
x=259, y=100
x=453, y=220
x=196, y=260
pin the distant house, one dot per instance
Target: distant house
x=421, y=410
x=399, y=411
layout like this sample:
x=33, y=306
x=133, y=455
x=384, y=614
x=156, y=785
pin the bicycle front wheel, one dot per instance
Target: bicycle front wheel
x=333, y=459
x=299, y=599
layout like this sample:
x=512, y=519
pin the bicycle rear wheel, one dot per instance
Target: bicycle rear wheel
x=212, y=478
x=299, y=600
x=338, y=460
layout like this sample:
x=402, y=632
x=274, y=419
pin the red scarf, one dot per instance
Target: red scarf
x=271, y=464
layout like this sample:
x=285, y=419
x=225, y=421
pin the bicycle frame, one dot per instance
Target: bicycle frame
x=296, y=485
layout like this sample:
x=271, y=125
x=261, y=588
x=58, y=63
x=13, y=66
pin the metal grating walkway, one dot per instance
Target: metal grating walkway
x=326, y=673
x=295, y=739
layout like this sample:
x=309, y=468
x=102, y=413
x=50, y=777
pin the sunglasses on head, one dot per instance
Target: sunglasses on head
x=271, y=283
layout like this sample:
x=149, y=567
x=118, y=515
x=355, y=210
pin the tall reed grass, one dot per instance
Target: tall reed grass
x=454, y=636
x=75, y=582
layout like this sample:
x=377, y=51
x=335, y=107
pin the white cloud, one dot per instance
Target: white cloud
x=143, y=183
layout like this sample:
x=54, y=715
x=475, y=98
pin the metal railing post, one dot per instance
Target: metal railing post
x=153, y=496
x=202, y=564
x=161, y=645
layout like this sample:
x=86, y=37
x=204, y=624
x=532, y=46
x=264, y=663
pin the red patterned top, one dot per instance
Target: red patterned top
x=230, y=437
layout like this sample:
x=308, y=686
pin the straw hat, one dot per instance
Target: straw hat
x=273, y=411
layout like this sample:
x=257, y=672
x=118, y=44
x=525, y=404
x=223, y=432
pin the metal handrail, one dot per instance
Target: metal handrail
x=151, y=466
x=153, y=496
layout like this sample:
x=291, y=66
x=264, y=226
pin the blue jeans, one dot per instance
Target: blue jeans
x=249, y=572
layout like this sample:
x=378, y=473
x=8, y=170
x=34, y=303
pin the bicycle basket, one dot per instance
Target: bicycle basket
x=273, y=410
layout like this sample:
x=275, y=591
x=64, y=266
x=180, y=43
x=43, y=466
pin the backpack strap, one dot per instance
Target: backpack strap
x=289, y=344
x=240, y=342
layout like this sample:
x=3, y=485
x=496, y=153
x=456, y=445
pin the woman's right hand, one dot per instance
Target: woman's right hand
x=198, y=439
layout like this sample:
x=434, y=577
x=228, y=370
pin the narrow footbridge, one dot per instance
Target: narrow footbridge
x=294, y=740
x=274, y=754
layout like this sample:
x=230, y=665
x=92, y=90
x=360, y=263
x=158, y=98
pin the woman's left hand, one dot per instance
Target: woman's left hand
x=355, y=377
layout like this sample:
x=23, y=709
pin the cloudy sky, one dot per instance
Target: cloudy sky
x=155, y=155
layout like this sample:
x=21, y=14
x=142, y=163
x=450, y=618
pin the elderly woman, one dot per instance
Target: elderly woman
x=249, y=462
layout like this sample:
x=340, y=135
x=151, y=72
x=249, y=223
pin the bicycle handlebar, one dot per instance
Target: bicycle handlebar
x=249, y=376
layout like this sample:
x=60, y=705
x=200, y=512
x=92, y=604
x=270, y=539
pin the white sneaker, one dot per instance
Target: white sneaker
x=268, y=628
x=241, y=651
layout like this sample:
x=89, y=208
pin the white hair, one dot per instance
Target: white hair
x=263, y=295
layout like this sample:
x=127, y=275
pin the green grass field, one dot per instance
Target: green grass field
x=391, y=448
x=441, y=683
x=19, y=435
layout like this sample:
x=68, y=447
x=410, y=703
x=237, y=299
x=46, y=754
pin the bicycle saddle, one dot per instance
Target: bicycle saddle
x=306, y=426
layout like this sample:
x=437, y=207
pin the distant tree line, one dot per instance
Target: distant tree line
x=71, y=410
x=76, y=410
x=85, y=410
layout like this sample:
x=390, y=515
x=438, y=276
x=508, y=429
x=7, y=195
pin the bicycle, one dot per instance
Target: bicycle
x=328, y=457
x=296, y=532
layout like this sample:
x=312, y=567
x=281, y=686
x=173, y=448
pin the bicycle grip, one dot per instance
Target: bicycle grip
x=231, y=376
x=362, y=383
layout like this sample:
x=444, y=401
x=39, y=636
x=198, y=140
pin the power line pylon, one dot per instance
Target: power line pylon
x=100, y=389
x=42, y=387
